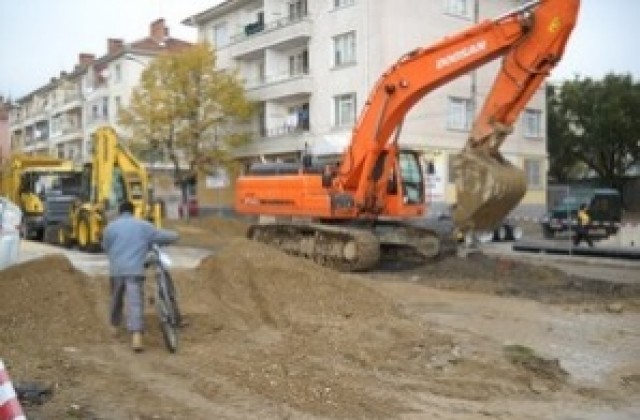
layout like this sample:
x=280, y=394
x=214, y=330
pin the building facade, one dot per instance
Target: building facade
x=59, y=117
x=310, y=65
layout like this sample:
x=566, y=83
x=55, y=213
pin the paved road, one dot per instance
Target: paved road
x=96, y=264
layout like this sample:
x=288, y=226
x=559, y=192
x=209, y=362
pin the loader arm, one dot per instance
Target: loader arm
x=130, y=183
x=531, y=39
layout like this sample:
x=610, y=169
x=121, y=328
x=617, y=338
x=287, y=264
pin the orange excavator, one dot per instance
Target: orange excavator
x=372, y=200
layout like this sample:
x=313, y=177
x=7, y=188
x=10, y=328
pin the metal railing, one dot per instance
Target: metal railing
x=258, y=27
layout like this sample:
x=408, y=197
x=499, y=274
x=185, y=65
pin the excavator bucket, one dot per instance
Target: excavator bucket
x=488, y=187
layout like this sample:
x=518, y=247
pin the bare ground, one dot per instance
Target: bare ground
x=272, y=336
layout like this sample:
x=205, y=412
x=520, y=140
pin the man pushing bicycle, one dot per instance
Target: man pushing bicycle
x=127, y=241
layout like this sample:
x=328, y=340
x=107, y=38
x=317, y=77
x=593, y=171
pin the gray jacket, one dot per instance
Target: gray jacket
x=127, y=241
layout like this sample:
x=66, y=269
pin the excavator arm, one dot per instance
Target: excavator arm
x=531, y=39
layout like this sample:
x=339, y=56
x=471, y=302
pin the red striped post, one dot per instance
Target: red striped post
x=10, y=408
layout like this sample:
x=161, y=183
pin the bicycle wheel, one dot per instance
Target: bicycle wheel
x=171, y=292
x=165, y=305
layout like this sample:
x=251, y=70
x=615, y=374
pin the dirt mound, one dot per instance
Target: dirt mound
x=266, y=331
x=302, y=334
x=46, y=306
x=508, y=277
x=261, y=285
x=319, y=341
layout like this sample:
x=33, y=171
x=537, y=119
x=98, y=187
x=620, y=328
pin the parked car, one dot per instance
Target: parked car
x=604, y=206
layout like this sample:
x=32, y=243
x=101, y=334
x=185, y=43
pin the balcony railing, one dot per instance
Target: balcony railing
x=273, y=79
x=283, y=130
x=259, y=27
x=95, y=119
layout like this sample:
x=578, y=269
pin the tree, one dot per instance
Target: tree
x=187, y=109
x=563, y=163
x=595, y=123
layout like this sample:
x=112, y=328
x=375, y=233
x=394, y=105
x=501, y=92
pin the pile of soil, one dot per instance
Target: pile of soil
x=275, y=336
x=47, y=310
x=509, y=277
x=322, y=342
x=477, y=272
x=264, y=327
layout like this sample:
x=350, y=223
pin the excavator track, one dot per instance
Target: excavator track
x=352, y=248
x=341, y=248
x=405, y=242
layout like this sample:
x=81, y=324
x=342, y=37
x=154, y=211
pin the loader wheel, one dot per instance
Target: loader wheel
x=84, y=233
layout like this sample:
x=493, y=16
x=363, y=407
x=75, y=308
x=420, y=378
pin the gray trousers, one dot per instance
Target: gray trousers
x=133, y=288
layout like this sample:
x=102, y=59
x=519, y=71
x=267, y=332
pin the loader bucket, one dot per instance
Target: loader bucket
x=488, y=187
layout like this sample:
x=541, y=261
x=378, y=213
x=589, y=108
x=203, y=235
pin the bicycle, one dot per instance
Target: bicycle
x=165, y=297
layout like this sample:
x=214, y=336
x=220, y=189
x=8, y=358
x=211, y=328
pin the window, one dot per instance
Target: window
x=117, y=77
x=459, y=114
x=299, y=63
x=255, y=27
x=297, y=9
x=220, y=35
x=298, y=117
x=458, y=7
x=412, y=181
x=345, y=109
x=344, y=49
x=342, y=3
x=532, y=121
x=532, y=168
x=105, y=106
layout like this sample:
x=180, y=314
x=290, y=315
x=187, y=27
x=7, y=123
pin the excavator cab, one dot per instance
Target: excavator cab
x=412, y=178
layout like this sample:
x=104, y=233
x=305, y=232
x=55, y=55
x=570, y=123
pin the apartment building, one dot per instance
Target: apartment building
x=310, y=65
x=58, y=118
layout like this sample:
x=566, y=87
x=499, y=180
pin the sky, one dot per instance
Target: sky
x=41, y=38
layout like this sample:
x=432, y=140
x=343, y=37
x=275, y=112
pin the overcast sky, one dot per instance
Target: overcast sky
x=40, y=38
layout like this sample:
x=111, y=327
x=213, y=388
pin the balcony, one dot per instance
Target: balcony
x=66, y=132
x=274, y=144
x=97, y=119
x=279, y=34
x=278, y=87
